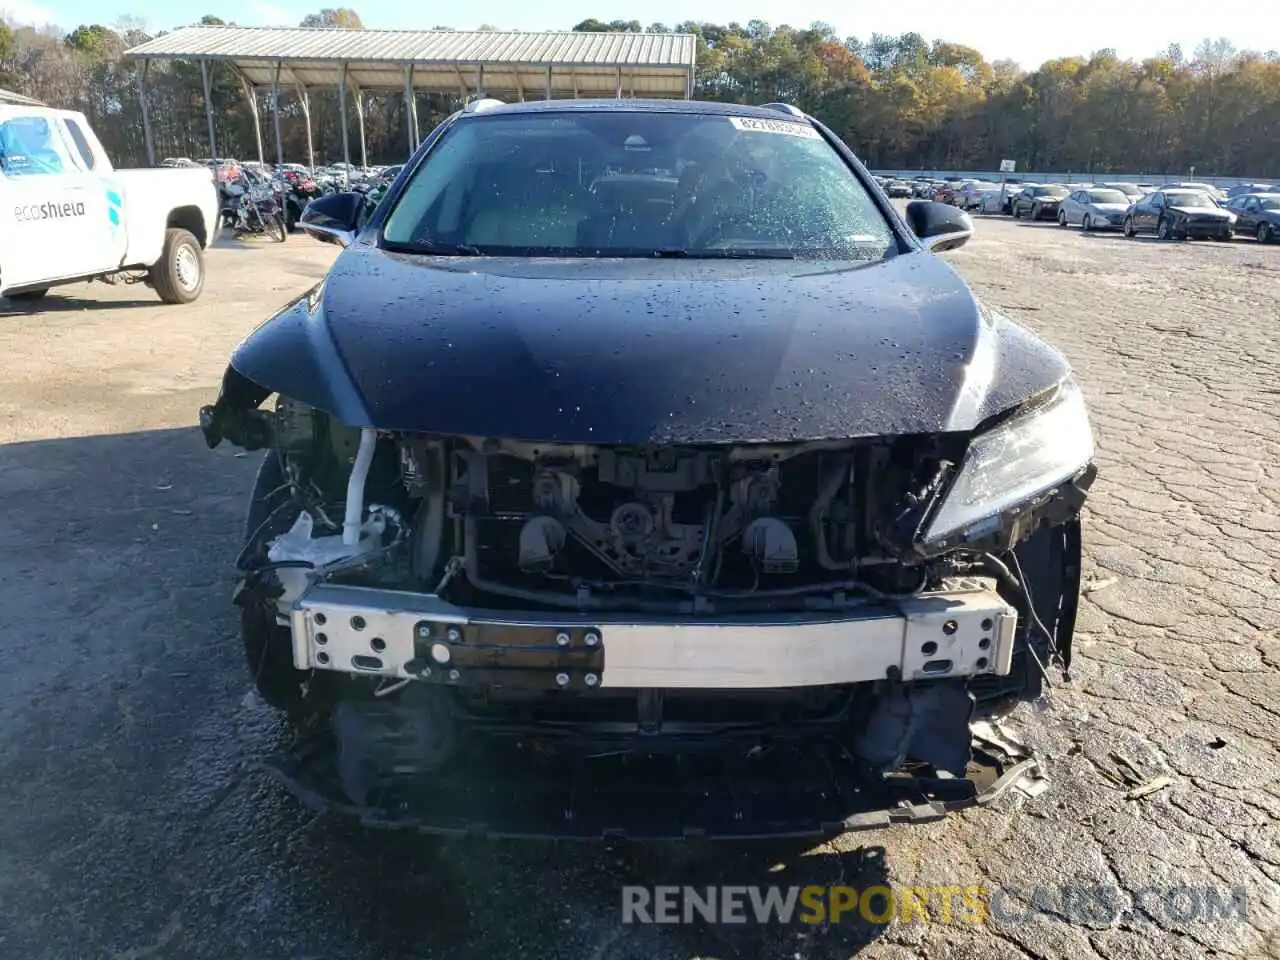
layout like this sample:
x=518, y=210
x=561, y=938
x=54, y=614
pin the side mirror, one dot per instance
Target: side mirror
x=940, y=225
x=334, y=218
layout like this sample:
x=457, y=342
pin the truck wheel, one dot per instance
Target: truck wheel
x=28, y=296
x=268, y=647
x=178, y=275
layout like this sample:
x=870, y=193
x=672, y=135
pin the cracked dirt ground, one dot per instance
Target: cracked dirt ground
x=131, y=827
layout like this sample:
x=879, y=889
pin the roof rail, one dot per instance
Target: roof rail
x=784, y=108
x=483, y=103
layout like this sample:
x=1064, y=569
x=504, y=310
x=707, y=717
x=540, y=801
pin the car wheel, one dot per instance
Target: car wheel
x=178, y=275
x=268, y=647
x=1264, y=233
x=1062, y=218
x=28, y=296
x=1162, y=230
x=1087, y=223
x=1017, y=212
x=1128, y=228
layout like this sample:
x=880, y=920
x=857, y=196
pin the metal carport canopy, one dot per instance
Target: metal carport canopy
x=410, y=61
x=444, y=61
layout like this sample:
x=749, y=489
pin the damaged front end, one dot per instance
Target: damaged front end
x=716, y=640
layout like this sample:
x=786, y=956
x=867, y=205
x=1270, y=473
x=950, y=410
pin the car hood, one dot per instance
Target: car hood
x=1109, y=207
x=1217, y=212
x=647, y=351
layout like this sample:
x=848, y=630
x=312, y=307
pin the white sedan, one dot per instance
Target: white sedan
x=1097, y=208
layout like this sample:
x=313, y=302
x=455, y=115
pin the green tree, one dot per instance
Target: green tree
x=342, y=17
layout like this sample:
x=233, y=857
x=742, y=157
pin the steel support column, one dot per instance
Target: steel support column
x=146, y=112
x=304, y=99
x=410, y=109
x=480, y=92
x=548, y=96
x=364, y=155
x=251, y=95
x=346, y=144
x=275, y=112
x=208, y=112
x=617, y=83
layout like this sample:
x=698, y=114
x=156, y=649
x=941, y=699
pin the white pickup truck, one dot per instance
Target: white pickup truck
x=67, y=215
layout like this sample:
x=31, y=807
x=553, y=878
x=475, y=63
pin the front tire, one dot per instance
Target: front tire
x=1062, y=219
x=28, y=296
x=1129, y=231
x=178, y=276
x=1162, y=230
x=1264, y=233
x=1087, y=223
x=268, y=647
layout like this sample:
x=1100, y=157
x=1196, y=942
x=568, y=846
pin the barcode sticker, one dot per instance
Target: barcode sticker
x=758, y=125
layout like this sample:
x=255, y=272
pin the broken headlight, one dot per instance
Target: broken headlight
x=1016, y=461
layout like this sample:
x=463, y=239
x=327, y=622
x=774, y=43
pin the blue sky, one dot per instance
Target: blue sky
x=999, y=28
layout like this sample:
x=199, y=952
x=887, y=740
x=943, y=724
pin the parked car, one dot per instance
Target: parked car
x=1240, y=189
x=1207, y=189
x=787, y=546
x=1094, y=209
x=1179, y=215
x=969, y=196
x=949, y=189
x=1008, y=191
x=1132, y=191
x=1257, y=215
x=898, y=188
x=1039, y=202
x=67, y=215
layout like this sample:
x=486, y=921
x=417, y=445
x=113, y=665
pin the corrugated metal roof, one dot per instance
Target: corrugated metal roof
x=8, y=96
x=294, y=44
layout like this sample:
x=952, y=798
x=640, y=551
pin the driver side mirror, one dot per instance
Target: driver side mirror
x=939, y=225
x=335, y=218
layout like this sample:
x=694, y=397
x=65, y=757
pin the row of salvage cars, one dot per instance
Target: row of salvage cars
x=1177, y=211
x=640, y=470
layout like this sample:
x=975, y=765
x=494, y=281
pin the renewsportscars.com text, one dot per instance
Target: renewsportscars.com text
x=973, y=904
x=48, y=211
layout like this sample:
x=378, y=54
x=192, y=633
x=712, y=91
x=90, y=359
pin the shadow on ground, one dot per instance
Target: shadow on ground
x=134, y=823
x=58, y=302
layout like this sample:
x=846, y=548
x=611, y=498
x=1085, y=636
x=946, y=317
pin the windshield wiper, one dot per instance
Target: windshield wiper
x=678, y=252
x=447, y=249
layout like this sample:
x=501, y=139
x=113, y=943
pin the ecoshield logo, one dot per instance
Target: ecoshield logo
x=48, y=211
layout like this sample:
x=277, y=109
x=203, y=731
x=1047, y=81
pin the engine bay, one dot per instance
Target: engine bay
x=691, y=530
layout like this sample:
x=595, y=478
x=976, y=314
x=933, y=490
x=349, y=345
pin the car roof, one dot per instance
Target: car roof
x=611, y=105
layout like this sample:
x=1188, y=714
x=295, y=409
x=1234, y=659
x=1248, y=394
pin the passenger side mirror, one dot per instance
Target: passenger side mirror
x=940, y=225
x=335, y=218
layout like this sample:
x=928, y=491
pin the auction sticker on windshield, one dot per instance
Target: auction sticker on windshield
x=776, y=126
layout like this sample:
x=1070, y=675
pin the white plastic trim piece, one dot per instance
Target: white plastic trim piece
x=355, y=487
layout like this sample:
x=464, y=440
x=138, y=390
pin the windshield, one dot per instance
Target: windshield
x=1189, y=198
x=1107, y=196
x=1048, y=192
x=624, y=184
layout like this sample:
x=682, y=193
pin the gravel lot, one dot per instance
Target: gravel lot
x=130, y=826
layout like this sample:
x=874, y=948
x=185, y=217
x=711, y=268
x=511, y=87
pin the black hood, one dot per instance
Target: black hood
x=647, y=351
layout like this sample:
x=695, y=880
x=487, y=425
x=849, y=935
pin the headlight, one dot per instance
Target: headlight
x=1014, y=462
